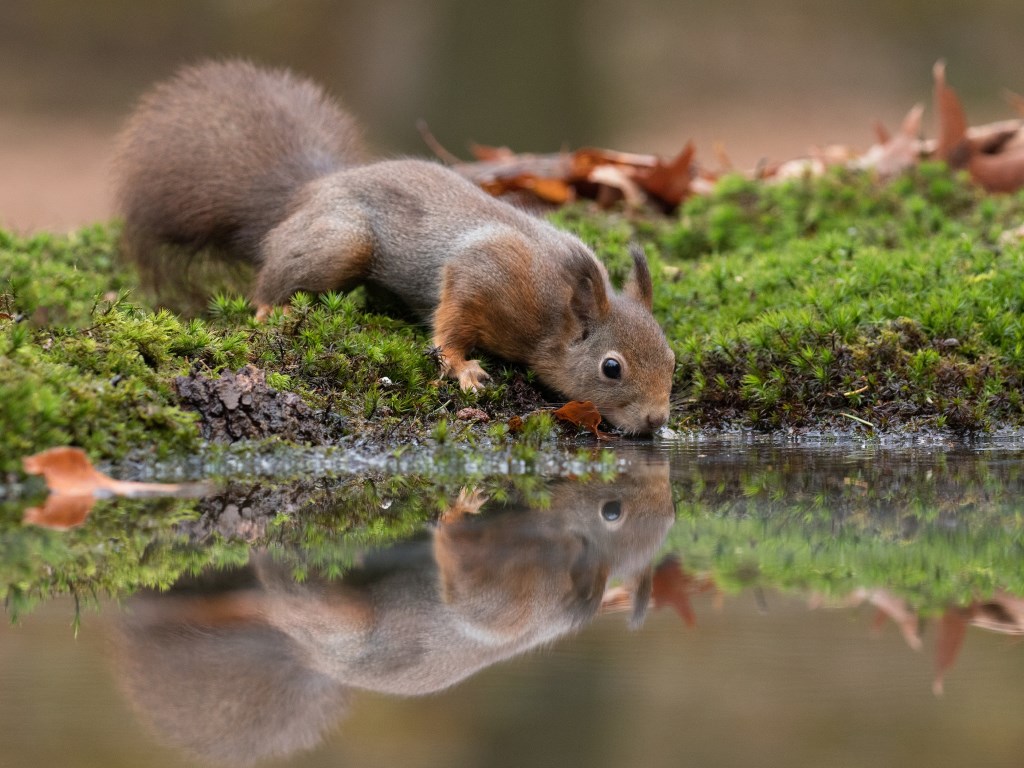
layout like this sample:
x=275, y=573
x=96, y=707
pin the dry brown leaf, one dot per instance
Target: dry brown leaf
x=616, y=599
x=896, y=609
x=881, y=132
x=582, y=413
x=68, y=471
x=670, y=182
x=674, y=587
x=60, y=512
x=1003, y=172
x=897, y=153
x=1003, y=613
x=951, y=144
x=549, y=190
x=71, y=478
x=995, y=137
x=952, y=629
x=616, y=178
x=587, y=159
x=488, y=154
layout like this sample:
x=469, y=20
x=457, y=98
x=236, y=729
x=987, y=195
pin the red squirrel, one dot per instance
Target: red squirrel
x=240, y=665
x=263, y=167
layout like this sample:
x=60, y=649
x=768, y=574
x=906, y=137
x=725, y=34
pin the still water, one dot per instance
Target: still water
x=713, y=603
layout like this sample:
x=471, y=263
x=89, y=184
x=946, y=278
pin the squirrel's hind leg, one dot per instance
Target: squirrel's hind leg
x=315, y=252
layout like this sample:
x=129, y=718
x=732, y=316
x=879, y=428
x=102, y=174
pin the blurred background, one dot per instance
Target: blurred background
x=767, y=80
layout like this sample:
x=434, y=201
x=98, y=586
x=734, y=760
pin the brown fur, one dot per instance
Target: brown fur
x=263, y=166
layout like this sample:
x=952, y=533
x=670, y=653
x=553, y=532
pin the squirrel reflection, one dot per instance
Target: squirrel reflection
x=245, y=665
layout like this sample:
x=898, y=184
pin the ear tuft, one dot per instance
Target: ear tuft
x=643, y=588
x=639, y=287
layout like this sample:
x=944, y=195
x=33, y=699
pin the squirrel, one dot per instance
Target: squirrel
x=264, y=168
x=242, y=664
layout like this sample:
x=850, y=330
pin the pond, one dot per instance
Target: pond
x=719, y=601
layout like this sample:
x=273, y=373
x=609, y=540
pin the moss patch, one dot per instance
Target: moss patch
x=832, y=301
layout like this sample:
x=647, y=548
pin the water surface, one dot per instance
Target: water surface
x=716, y=603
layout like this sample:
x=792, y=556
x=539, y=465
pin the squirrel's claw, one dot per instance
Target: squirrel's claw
x=263, y=311
x=469, y=502
x=472, y=376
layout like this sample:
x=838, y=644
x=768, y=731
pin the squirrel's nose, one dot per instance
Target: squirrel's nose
x=656, y=421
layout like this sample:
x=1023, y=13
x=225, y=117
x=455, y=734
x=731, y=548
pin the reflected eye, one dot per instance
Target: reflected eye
x=611, y=368
x=611, y=510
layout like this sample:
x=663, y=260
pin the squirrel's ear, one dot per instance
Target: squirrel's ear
x=643, y=588
x=589, y=298
x=638, y=287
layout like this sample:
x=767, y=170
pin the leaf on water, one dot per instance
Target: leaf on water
x=674, y=587
x=900, y=613
x=73, y=480
x=584, y=414
x=952, y=629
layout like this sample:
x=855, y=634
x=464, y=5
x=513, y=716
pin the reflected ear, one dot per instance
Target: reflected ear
x=638, y=287
x=589, y=297
x=642, y=591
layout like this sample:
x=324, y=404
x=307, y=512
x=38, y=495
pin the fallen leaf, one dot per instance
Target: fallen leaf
x=549, y=190
x=1003, y=172
x=674, y=587
x=995, y=137
x=72, y=480
x=952, y=145
x=895, y=609
x=584, y=161
x=895, y=154
x=584, y=414
x=952, y=630
x=1003, y=613
x=616, y=178
x=488, y=154
x=881, y=132
x=60, y=512
x=68, y=471
x=670, y=182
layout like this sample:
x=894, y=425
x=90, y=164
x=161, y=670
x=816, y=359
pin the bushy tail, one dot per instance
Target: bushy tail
x=215, y=156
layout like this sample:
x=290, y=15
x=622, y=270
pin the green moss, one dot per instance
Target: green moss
x=836, y=300
x=800, y=522
x=806, y=302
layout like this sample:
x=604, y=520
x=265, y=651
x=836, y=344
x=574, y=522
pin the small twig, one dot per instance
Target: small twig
x=858, y=419
x=435, y=146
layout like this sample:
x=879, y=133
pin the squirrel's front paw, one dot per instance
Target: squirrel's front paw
x=472, y=376
x=468, y=503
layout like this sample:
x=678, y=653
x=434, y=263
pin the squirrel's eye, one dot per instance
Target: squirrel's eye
x=611, y=510
x=611, y=368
